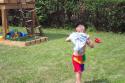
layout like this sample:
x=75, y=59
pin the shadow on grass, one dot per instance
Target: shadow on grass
x=98, y=81
x=54, y=36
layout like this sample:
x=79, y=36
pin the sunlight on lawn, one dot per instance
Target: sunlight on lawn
x=48, y=63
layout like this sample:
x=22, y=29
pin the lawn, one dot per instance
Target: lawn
x=49, y=63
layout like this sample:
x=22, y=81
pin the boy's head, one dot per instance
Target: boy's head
x=80, y=28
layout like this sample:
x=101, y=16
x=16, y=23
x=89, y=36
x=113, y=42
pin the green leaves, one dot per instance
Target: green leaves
x=106, y=15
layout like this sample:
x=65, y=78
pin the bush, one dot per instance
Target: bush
x=105, y=15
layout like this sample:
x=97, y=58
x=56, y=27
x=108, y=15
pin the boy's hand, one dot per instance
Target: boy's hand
x=67, y=39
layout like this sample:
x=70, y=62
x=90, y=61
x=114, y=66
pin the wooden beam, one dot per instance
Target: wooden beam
x=4, y=22
x=16, y=6
x=17, y=1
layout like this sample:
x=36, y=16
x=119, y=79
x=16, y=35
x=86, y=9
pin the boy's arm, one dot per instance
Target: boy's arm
x=90, y=43
x=67, y=39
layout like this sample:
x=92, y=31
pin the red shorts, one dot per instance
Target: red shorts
x=78, y=63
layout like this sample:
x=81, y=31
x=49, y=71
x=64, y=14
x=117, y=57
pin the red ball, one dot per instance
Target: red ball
x=97, y=40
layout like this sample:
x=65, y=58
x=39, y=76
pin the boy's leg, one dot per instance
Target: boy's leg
x=78, y=68
x=78, y=77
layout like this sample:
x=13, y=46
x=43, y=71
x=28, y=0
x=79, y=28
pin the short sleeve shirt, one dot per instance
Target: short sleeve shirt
x=79, y=40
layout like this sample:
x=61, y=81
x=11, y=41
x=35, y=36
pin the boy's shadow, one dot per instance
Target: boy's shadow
x=98, y=81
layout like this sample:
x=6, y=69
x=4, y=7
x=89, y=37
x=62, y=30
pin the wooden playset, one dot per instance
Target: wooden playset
x=29, y=22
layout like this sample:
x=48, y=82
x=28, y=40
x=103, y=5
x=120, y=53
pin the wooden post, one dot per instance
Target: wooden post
x=4, y=22
x=33, y=21
x=37, y=24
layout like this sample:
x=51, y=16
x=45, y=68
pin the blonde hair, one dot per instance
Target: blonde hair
x=80, y=28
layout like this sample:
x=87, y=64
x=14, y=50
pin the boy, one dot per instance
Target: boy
x=80, y=39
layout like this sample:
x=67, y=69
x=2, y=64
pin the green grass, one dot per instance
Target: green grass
x=48, y=62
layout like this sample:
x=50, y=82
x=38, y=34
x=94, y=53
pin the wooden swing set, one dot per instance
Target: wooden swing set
x=24, y=6
x=29, y=22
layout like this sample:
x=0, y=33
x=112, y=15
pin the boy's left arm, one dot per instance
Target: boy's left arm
x=90, y=43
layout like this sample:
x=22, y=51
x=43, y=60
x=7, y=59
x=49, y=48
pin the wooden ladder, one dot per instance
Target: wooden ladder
x=30, y=21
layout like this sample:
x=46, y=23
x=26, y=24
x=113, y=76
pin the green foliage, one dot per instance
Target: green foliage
x=105, y=15
x=91, y=29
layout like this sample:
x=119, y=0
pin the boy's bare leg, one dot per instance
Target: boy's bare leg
x=78, y=77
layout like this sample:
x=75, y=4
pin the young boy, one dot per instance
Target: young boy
x=80, y=39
